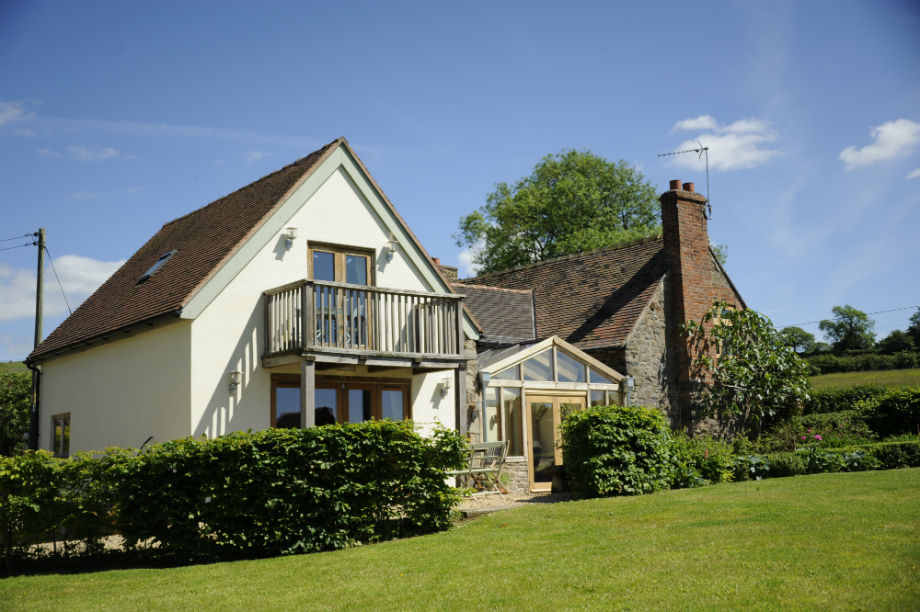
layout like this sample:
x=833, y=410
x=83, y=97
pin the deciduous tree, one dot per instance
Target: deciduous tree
x=755, y=376
x=850, y=329
x=572, y=201
x=800, y=340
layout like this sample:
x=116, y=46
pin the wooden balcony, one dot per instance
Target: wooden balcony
x=339, y=322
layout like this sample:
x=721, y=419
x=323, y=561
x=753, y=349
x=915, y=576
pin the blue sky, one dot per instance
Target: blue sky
x=117, y=117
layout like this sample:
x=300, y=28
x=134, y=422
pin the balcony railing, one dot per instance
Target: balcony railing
x=320, y=316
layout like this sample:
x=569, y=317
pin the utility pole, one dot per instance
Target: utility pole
x=39, y=305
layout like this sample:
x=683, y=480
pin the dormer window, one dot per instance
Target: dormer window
x=159, y=264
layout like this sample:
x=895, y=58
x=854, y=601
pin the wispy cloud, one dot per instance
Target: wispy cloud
x=84, y=154
x=84, y=195
x=893, y=140
x=252, y=157
x=13, y=111
x=465, y=260
x=735, y=146
x=914, y=174
x=80, y=276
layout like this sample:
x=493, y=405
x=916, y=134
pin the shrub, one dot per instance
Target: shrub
x=700, y=461
x=830, y=430
x=616, y=450
x=844, y=398
x=15, y=397
x=828, y=364
x=278, y=491
x=896, y=412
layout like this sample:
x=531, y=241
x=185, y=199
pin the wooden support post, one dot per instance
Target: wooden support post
x=307, y=393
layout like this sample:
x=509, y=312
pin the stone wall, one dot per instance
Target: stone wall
x=470, y=399
x=649, y=362
x=515, y=478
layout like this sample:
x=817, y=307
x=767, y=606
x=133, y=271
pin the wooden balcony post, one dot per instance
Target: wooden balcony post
x=307, y=393
x=459, y=304
x=309, y=325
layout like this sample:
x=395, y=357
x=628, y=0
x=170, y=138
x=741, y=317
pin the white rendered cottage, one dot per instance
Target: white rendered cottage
x=300, y=299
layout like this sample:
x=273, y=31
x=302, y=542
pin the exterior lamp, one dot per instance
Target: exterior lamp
x=627, y=385
x=390, y=247
x=235, y=381
x=290, y=235
x=444, y=387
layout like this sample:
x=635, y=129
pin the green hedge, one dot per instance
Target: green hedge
x=700, y=461
x=278, y=491
x=828, y=364
x=814, y=459
x=616, y=450
x=843, y=398
x=896, y=412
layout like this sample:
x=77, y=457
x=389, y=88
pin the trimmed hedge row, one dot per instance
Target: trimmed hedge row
x=814, y=459
x=842, y=398
x=828, y=364
x=278, y=491
x=616, y=450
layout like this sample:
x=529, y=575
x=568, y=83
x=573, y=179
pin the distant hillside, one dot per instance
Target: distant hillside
x=13, y=366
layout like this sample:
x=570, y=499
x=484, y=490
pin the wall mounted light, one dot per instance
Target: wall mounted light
x=626, y=385
x=290, y=235
x=444, y=386
x=235, y=378
x=390, y=247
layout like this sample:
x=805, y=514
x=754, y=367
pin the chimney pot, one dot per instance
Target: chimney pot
x=675, y=184
x=437, y=261
x=688, y=187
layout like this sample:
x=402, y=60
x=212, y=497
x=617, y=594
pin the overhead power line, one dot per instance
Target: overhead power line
x=17, y=237
x=868, y=313
x=53, y=269
x=18, y=246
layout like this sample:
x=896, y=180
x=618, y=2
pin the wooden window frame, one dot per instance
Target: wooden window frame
x=342, y=385
x=64, y=417
x=339, y=251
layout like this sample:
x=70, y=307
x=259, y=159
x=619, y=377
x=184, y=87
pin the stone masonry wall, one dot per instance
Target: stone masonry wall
x=647, y=360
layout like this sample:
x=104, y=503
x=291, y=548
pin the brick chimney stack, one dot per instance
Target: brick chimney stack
x=686, y=244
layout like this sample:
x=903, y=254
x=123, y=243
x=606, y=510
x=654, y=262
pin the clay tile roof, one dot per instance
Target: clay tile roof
x=591, y=299
x=203, y=240
x=506, y=315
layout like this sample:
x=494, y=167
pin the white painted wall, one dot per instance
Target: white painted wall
x=121, y=392
x=429, y=408
x=229, y=334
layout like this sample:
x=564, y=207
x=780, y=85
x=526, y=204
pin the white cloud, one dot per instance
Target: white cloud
x=13, y=111
x=893, y=139
x=80, y=276
x=703, y=122
x=81, y=153
x=465, y=264
x=254, y=156
x=742, y=144
x=914, y=174
x=85, y=154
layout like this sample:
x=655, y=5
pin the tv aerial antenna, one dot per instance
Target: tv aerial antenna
x=701, y=151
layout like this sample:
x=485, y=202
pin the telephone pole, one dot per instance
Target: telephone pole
x=39, y=305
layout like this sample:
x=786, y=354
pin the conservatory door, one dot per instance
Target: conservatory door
x=544, y=443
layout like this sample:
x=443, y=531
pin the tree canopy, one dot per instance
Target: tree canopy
x=800, y=340
x=756, y=376
x=914, y=328
x=850, y=329
x=572, y=201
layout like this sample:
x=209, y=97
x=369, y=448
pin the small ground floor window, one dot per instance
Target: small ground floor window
x=60, y=429
x=339, y=401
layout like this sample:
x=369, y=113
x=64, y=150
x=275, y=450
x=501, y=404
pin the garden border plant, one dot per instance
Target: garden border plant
x=277, y=491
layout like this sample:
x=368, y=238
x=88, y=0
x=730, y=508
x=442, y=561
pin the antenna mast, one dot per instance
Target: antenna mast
x=701, y=151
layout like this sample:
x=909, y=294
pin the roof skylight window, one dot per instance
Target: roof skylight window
x=159, y=264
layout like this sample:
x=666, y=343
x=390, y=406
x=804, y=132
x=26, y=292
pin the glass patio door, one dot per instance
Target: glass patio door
x=544, y=415
x=342, y=314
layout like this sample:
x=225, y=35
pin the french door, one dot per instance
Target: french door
x=343, y=315
x=544, y=442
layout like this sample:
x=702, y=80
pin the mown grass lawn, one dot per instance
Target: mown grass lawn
x=891, y=378
x=823, y=542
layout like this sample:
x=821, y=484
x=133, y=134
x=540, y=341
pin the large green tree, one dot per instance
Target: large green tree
x=914, y=328
x=572, y=201
x=850, y=329
x=800, y=340
x=755, y=375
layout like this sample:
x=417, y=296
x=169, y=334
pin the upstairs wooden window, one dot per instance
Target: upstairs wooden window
x=341, y=264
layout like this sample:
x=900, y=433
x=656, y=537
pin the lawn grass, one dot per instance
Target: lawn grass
x=822, y=542
x=891, y=378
